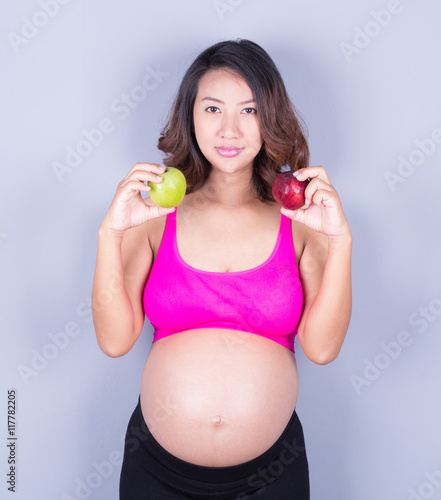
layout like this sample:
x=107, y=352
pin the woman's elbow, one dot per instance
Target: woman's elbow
x=324, y=356
x=111, y=352
x=114, y=349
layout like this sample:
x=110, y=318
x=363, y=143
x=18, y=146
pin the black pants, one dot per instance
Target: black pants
x=150, y=472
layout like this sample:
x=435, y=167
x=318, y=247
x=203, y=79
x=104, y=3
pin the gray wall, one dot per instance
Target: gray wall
x=372, y=105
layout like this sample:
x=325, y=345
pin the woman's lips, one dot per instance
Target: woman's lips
x=228, y=152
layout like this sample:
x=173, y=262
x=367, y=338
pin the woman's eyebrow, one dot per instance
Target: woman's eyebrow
x=248, y=101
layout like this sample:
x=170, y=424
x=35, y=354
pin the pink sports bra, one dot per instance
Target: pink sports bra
x=266, y=300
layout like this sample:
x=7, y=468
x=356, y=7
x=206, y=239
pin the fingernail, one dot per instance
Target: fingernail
x=295, y=174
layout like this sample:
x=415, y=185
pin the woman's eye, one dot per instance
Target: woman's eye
x=212, y=109
x=249, y=111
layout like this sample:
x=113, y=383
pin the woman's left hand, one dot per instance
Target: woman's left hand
x=322, y=210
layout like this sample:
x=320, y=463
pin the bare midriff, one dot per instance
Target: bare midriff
x=216, y=397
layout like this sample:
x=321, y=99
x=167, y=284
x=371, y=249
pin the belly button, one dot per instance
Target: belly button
x=217, y=419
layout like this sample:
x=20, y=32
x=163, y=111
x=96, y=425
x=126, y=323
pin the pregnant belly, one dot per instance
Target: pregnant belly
x=218, y=397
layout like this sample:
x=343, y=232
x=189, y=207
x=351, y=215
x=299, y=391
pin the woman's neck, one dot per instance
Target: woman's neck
x=230, y=190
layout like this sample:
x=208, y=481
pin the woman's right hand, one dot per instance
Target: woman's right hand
x=128, y=208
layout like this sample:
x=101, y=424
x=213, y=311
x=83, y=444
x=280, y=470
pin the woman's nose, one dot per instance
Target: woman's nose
x=229, y=127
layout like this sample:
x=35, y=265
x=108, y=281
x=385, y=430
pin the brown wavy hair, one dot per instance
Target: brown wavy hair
x=282, y=129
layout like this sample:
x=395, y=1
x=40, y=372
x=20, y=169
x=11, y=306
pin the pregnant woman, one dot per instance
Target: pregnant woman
x=227, y=279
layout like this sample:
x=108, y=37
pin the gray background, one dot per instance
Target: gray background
x=371, y=418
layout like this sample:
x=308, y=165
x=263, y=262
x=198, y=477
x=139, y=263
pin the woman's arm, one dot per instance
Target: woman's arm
x=124, y=258
x=325, y=269
x=327, y=296
x=117, y=290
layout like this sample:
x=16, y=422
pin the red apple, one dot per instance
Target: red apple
x=288, y=191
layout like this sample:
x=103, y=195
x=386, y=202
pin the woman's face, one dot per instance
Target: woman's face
x=226, y=125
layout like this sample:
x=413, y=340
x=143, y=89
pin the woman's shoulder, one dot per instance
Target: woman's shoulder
x=153, y=231
x=306, y=238
x=146, y=236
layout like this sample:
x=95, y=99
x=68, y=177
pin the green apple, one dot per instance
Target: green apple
x=171, y=191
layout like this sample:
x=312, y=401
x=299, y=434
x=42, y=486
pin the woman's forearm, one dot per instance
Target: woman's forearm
x=327, y=319
x=112, y=310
